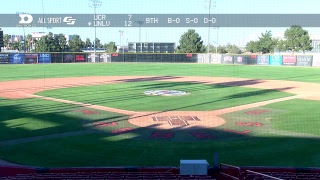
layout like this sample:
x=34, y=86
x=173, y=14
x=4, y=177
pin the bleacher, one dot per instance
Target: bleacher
x=229, y=172
x=100, y=173
x=223, y=172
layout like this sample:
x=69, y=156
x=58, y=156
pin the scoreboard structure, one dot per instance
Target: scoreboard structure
x=151, y=47
x=159, y=20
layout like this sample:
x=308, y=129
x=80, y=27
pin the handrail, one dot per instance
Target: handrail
x=230, y=166
x=263, y=175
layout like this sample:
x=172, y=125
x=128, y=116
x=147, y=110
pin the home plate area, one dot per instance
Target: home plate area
x=177, y=119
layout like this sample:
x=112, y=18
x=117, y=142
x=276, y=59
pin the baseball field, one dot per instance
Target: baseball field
x=81, y=115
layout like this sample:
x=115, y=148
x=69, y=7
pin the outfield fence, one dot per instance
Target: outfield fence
x=270, y=60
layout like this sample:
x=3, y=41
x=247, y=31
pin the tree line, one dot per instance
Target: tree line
x=59, y=43
x=295, y=39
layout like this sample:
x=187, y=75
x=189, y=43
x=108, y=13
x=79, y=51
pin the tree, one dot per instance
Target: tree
x=62, y=41
x=296, y=39
x=76, y=44
x=110, y=47
x=190, y=42
x=252, y=46
x=222, y=49
x=28, y=42
x=97, y=43
x=16, y=45
x=47, y=43
x=265, y=44
x=42, y=45
x=233, y=49
x=87, y=43
x=6, y=41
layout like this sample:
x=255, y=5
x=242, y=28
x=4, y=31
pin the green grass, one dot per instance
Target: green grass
x=130, y=96
x=34, y=117
x=301, y=116
x=101, y=150
x=17, y=72
x=266, y=146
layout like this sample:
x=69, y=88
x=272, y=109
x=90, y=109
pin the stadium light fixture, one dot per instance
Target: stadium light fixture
x=95, y=4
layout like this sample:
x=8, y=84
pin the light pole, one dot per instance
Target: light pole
x=209, y=23
x=95, y=4
x=121, y=34
x=217, y=43
x=24, y=40
x=140, y=23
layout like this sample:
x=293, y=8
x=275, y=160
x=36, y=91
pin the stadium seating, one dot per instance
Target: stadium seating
x=223, y=172
x=106, y=173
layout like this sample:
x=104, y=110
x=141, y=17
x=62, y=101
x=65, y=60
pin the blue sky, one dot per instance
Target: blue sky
x=238, y=36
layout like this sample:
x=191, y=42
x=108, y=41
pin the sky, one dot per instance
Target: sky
x=222, y=36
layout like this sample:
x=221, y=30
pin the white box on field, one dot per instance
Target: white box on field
x=193, y=167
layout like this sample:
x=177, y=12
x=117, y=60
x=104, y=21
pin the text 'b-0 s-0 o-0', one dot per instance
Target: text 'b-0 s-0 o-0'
x=160, y=20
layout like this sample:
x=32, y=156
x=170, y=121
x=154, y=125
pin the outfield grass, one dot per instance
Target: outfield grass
x=16, y=72
x=130, y=96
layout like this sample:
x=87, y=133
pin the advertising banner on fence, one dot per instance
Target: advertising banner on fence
x=240, y=59
x=263, y=60
x=289, y=60
x=81, y=58
x=44, y=58
x=227, y=59
x=31, y=58
x=68, y=58
x=203, y=58
x=105, y=57
x=215, y=58
x=251, y=59
x=304, y=60
x=56, y=58
x=276, y=60
x=93, y=57
x=4, y=59
x=316, y=60
x=16, y=58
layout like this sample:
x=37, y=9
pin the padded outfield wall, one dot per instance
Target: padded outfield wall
x=239, y=59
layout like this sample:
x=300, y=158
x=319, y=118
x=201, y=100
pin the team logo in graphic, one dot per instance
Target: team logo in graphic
x=25, y=18
x=165, y=93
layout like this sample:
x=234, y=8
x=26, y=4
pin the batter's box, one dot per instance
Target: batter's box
x=189, y=118
x=161, y=118
x=176, y=120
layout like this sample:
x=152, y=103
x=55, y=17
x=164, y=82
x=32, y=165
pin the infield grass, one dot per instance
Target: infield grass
x=130, y=96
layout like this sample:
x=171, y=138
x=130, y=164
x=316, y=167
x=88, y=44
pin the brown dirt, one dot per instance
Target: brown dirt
x=27, y=89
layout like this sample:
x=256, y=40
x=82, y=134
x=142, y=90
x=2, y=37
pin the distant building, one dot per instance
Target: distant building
x=151, y=47
x=91, y=50
x=122, y=49
x=316, y=45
